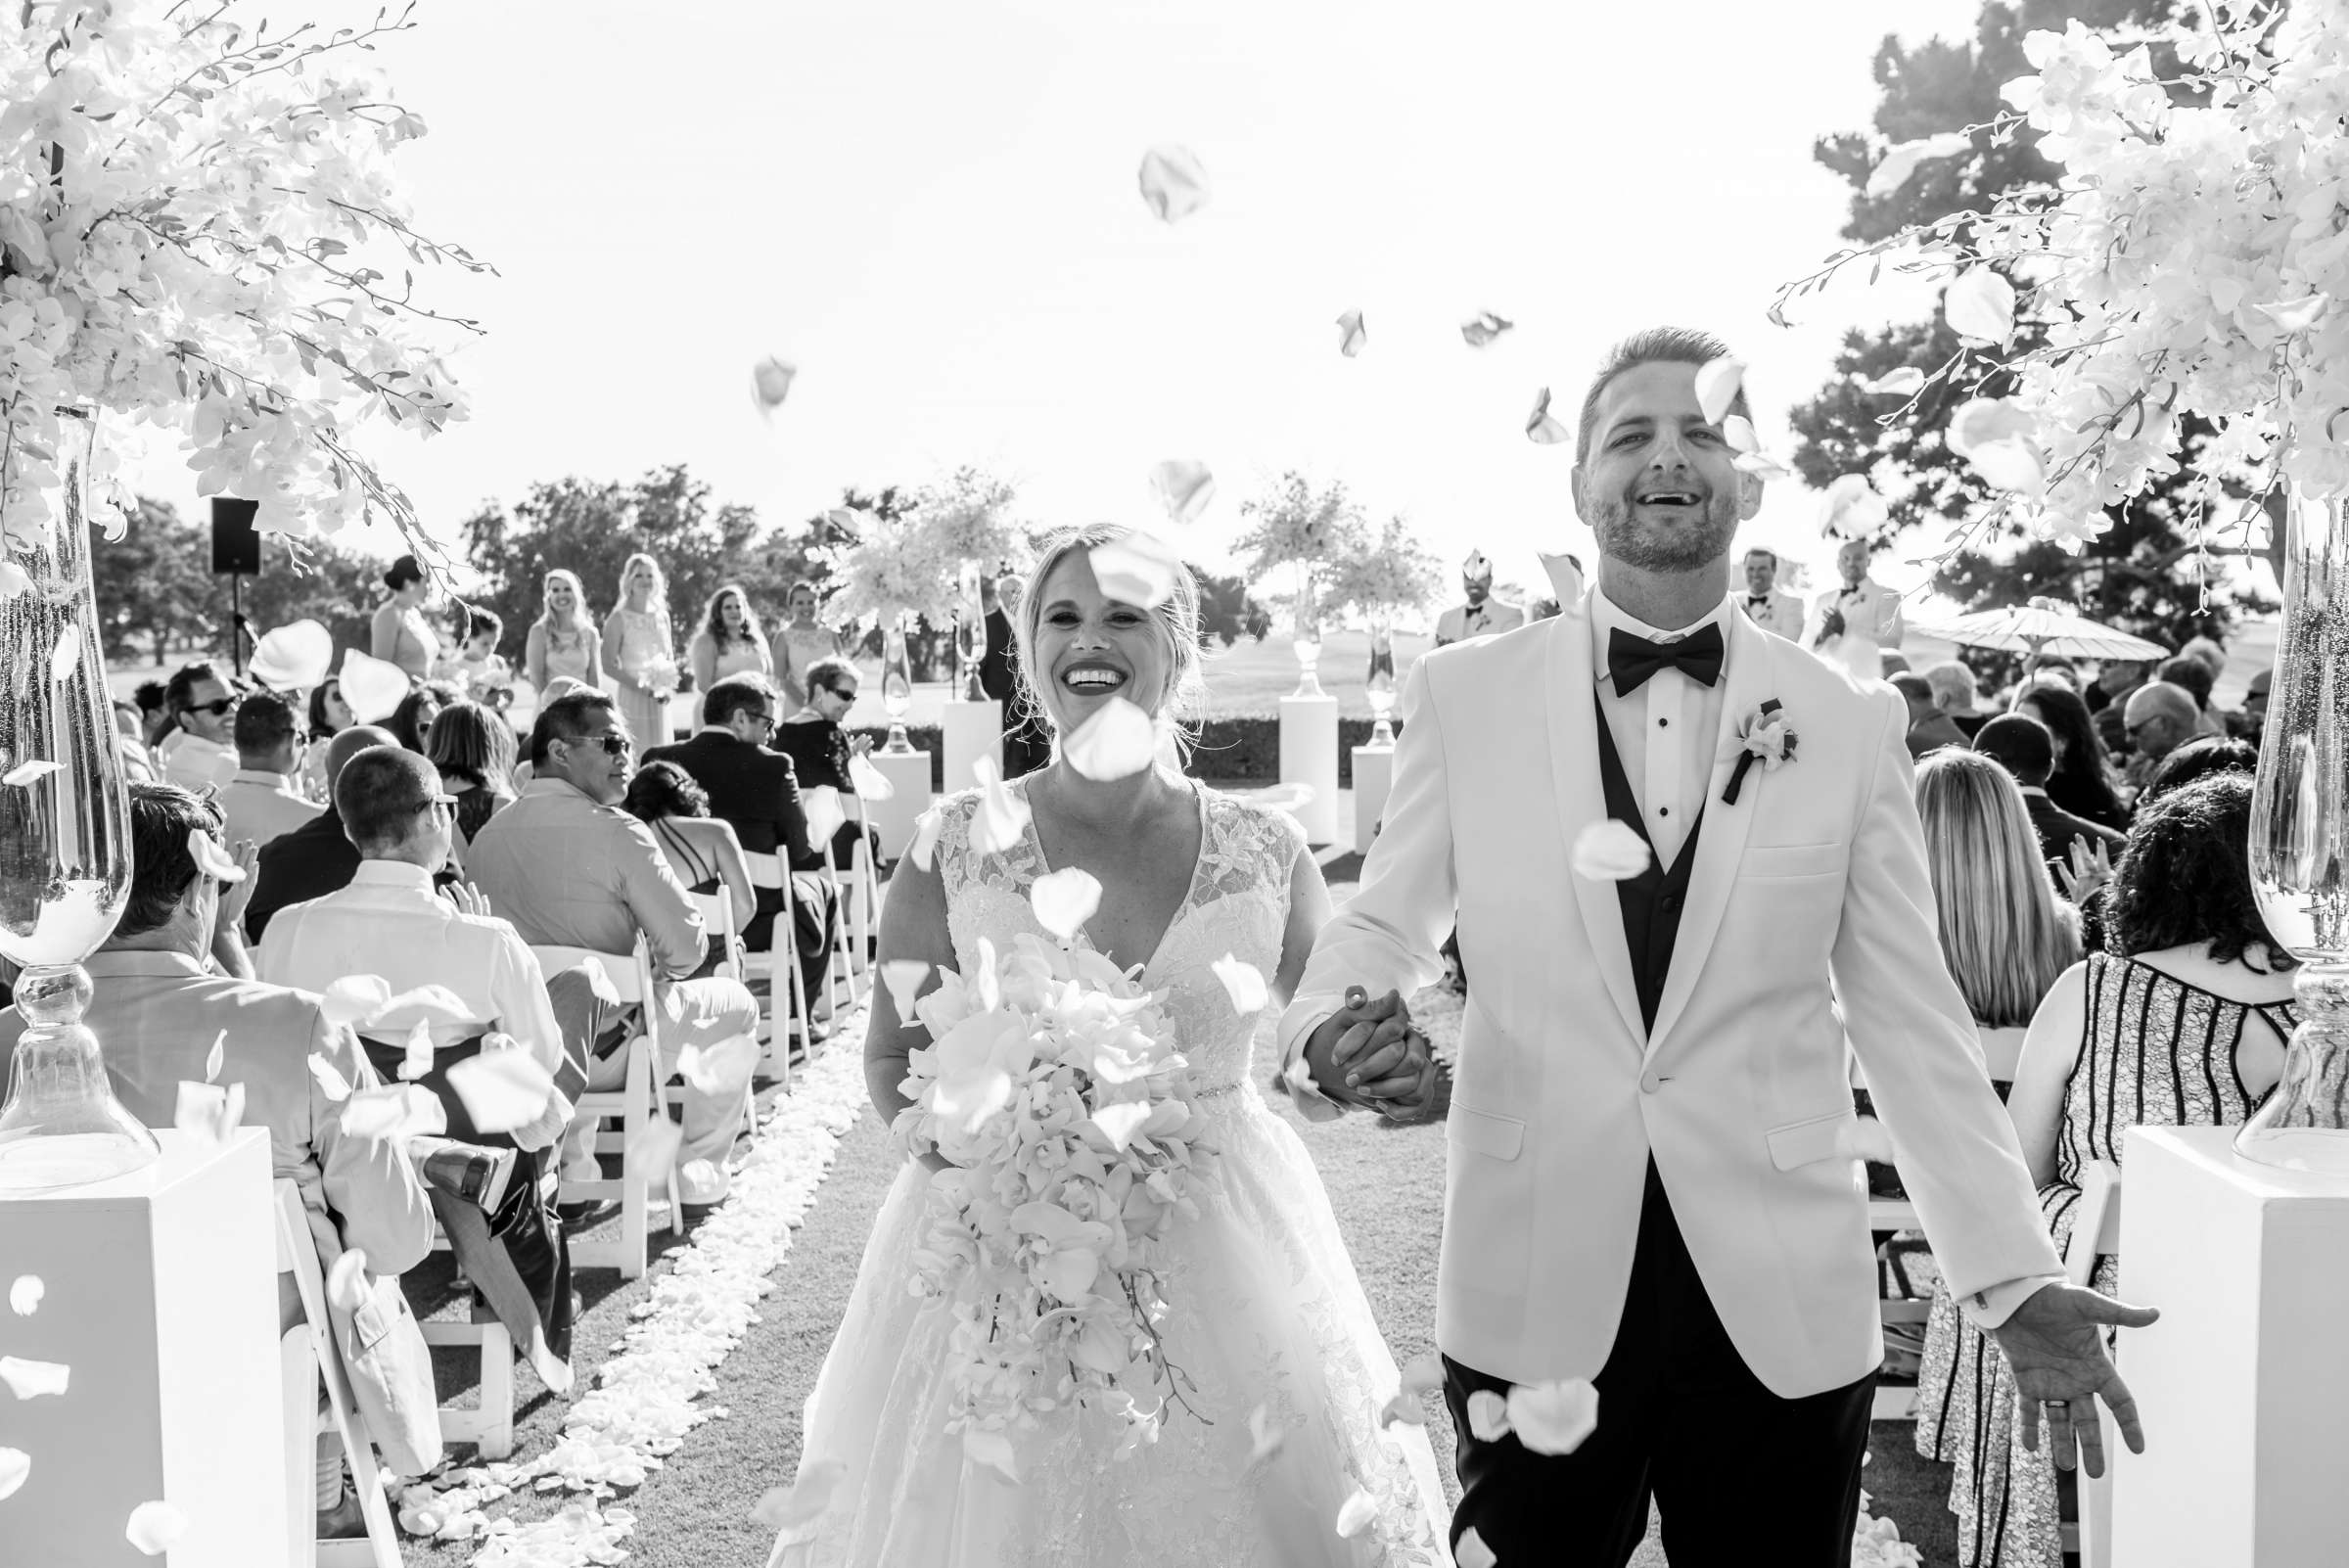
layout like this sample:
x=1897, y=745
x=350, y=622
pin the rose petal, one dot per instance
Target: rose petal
x=790, y=1510
x=208, y=1111
x=925, y=839
x=1553, y=1417
x=965, y=1101
x=1139, y=570
x=13, y=579
x=24, y=773
x=1117, y=741
x=1120, y=1122
x=993, y=1450
x=210, y=858
x=1243, y=983
x=1543, y=430
x=1266, y=1435
x=1351, y=334
x=2009, y=465
x=1184, y=488
x=1900, y=160
x=29, y=1380
x=330, y=1082
x=1718, y=382
x=1980, y=304
x=1356, y=1513
x=211, y=1060
x=66, y=656
x=371, y=686
x=502, y=1090
x=1483, y=327
x=354, y=1000
x=1173, y=185
x=1906, y=382
x=1298, y=1078
x=1488, y=1415
x=2296, y=315
x=1611, y=850
x=1738, y=432
x=25, y=1295
x=722, y=1069
x=770, y=382
x=15, y=1465
x=1565, y=579
x=416, y=1057
x=1980, y=421
x=155, y=1528
x=1002, y=816
x=1064, y=901
x=656, y=1145
x=397, y=1112
x=347, y=1281
x=1762, y=466
x=903, y=977
x=1852, y=509
x=1472, y=1553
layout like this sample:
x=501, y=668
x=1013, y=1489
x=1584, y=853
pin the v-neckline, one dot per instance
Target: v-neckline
x=1190, y=884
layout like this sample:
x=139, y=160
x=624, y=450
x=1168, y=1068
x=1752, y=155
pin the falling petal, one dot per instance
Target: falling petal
x=1356, y=1513
x=1424, y=1374
x=1472, y=1553
x=965, y=1101
x=1980, y=421
x=210, y=858
x=347, y=1280
x=25, y=1295
x=1351, y=334
x=1173, y=183
x=211, y=1060
x=1138, y=569
x=1184, y=488
x=416, y=1059
x=2009, y=465
x=1851, y=508
x=66, y=656
x=1900, y=160
x=354, y=1000
x=925, y=839
x=1541, y=428
x=791, y=1510
x=395, y=1113
x=1064, y=901
x=720, y=1069
x=770, y=382
x=1553, y=1417
x=29, y=1380
x=1762, y=466
x=1611, y=850
x=1906, y=382
x=1117, y=741
x=1980, y=304
x=1738, y=432
x=294, y=656
x=1298, y=1078
x=155, y=1528
x=1243, y=983
x=371, y=686
x=1119, y=1122
x=1267, y=1434
x=13, y=579
x=1565, y=579
x=330, y=1082
x=502, y=1090
x=599, y=981
x=1718, y=383
x=2296, y=315
x=826, y=817
x=868, y=782
x=1002, y=816
x=903, y=977
x=24, y=773
x=656, y=1145
x=208, y=1112
x=1488, y=1415
x=15, y=1465
x=1483, y=327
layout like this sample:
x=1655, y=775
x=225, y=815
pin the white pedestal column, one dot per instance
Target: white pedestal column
x=971, y=730
x=1309, y=755
x=160, y=1295
x=2244, y=1385
x=1373, y=777
x=894, y=818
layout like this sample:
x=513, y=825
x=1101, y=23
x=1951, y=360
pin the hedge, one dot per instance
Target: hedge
x=1229, y=751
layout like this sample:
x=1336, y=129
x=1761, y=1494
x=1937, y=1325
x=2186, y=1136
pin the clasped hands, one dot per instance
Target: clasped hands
x=1367, y=1053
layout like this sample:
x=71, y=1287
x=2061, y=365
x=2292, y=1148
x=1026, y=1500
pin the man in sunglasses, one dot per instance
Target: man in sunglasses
x=567, y=867
x=199, y=752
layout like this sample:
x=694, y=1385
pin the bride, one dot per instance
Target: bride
x=1267, y=1316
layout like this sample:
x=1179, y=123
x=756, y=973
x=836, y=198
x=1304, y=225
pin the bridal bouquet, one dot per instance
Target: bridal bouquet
x=1053, y=1084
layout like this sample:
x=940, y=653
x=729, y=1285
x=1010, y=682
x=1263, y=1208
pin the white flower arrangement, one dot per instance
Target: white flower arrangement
x=2192, y=262
x=199, y=229
x=1394, y=575
x=1054, y=1088
x=912, y=564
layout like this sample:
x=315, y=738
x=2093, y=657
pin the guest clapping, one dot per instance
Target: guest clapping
x=562, y=642
x=730, y=641
x=820, y=751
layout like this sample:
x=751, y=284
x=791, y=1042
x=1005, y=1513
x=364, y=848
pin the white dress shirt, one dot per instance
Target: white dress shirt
x=195, y=763
x=390, y=922
x=1665, y=730
x=258, y=805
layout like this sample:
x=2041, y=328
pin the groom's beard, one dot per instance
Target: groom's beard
x=1683, y=548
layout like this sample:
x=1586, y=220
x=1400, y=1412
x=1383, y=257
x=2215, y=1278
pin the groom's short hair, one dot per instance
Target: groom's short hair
x=1672, y=345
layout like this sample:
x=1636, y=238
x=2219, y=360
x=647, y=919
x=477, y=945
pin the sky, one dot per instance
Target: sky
x=931, y=208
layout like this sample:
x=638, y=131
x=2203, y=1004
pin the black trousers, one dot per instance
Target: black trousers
x=1740, y=1475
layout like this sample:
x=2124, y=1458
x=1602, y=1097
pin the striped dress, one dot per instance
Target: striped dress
x=2155, y=1052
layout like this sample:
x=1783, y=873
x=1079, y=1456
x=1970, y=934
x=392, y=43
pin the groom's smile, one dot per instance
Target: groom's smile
x=1657, y=480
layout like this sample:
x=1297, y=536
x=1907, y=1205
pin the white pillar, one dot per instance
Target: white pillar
x=908, y=772
x=2244, y=1385
x=971, y=730
x=1309, y=755
x=1373, y=777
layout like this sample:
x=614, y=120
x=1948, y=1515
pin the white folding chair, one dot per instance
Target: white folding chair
x=308, y=1354
x=1896, y=1401
x=2095, y=1231
x=859, y=884
x=631, y=1107
x=784, y=975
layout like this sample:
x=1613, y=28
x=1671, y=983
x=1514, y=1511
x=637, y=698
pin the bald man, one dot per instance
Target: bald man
x=2160, y=718
x=316, y=858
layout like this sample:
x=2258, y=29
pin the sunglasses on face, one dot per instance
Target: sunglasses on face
x=613, y=743
x=226, y=705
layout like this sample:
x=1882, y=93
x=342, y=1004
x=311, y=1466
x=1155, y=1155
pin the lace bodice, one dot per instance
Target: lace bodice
x=1238, y=903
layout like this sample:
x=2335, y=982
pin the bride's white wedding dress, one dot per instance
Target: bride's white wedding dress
x=1267, y=1312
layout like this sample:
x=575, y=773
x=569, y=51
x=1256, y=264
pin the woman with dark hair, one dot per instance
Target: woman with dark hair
x=473, y=750
x=2081, y=783
x=700, y=848
x=729, y=642
x=401, y=635
x=2199, y=759
x=412, y=719
x=2181, y=1024
x=330, y=715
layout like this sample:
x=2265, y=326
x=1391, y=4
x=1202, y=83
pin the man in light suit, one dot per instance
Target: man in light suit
x=1860, y=621
x=1652, y=1180
x=1483, y=616
x=1763, y=604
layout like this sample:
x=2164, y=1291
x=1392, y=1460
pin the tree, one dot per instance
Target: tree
x=1227, y=611
x=1294, y=526
x=2132, y=575
x=150, y=584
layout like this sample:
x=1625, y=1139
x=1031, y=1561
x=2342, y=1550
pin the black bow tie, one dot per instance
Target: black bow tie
x=1632, y=660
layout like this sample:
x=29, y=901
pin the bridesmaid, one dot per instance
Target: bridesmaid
x=642, y=656
x=563, y=641
x=402, y=635
x=729, y=642
x=805, y=641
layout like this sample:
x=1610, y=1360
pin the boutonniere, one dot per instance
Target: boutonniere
x=1761, y=734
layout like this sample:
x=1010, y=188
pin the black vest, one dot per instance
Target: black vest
x=1651, y=900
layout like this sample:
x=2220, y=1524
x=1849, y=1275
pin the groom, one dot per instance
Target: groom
x=1652, y=1180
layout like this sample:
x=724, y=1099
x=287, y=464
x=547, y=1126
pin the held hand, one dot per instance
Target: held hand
x=1363, y=1052
x=2056, y=1344
x=2087, y=871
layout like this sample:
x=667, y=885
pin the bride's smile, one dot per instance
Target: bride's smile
x=1094, y=647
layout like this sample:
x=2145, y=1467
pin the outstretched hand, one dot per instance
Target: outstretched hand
x=2085, y=871
x=2055, y=1341
x=468, y=899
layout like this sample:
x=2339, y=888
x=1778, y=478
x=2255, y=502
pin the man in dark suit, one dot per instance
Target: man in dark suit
x=317, y=857
x=754, y=787
x=1026, y=747
x=2022, y=745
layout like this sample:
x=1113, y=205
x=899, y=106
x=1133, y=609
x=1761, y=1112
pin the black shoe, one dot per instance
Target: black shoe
x=584, y=1214
x=470, y=1173
x=344, y=1521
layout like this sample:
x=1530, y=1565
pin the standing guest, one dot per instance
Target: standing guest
x=162, y=1013
x=330, y=715
x=1860, y=619
x=820, y=750
x=562, y=643
x=1482, y=615
x=2199, y=757
x=2255, y=706
x=391, y=923
x=569, y=868
x=2160, y=718
x=473, y=748
x=805, y=641
x=640, y=652
x=1027, y=745
x=2081, y=783
x=155, y=712
x=260, y=801
x=412, y=720
x=479, y=669
x=702, y=851
x=1955, y=695
x=198, y=750
x=2182, y=1024
x=1763, y=604
x=317, y=857
x=730, y=641
x=401, y=635
x=2022, y=745
x=1929, y=728
x=2194, y=677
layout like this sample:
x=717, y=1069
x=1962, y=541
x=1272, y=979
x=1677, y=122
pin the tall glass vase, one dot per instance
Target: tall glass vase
x=970, y=635
x=1308, y=644
x=896, y=682
x=2300, y=846
x=65, y=854
x=1379, y=685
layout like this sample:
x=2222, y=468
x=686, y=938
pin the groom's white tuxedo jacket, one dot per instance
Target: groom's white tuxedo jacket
x=1810, y=891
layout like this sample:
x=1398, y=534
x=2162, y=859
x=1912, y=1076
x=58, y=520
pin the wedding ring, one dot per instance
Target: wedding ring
x=2056, y=1404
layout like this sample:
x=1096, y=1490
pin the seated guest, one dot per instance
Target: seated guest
x=473, y=750
x=2253, y=721
x=2081, y=783
x=2182, y=1024
x=330, y=715
x=1955, y=695
x=2021, y=745
x=390, y=922
x=2160, y=718
x=702, y=849
x=569, y=868
x=412, y=719
x=138, y=767
x=154, y=713
x=261, y=802
x=317, y=857
x=198, y=749
x=819, y=749
x=2192, y=677
x=161, y=1014
x=2199, y=759
x=2057, y=667
x=1929, y=728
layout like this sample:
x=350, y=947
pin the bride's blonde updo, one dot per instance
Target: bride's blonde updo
x=1184, y=702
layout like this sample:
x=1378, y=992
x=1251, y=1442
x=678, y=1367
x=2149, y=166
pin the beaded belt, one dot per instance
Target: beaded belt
x=1219, y=1089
